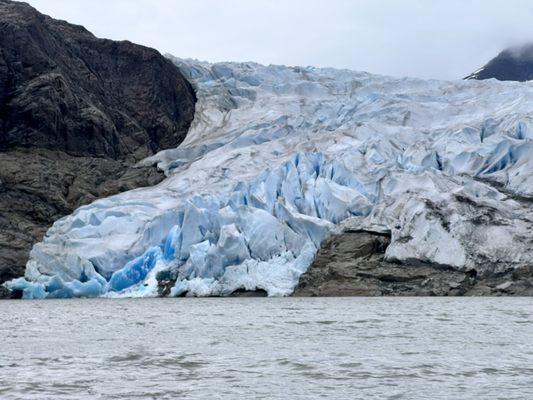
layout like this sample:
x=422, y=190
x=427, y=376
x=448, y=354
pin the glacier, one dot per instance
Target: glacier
x=278, y=158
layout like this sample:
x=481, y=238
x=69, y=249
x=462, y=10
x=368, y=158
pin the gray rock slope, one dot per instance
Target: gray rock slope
x=76, y=114
x=352, y=264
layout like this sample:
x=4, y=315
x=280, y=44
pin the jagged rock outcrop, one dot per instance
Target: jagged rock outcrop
x=353, y=264
x=76, y=114
x=463, y=239
x=513, y=64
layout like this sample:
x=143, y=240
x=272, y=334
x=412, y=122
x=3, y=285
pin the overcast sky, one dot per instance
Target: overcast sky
x=445, y=39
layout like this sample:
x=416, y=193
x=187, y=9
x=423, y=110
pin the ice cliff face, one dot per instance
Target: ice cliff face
x=278, y=158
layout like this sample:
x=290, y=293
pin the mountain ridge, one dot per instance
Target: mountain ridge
x=76, y=114
x=512, y=64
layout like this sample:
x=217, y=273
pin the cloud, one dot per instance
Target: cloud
x=428, y=39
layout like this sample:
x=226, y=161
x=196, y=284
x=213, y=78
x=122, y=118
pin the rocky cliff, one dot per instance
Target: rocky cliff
x=353, y=264
x=76, y=114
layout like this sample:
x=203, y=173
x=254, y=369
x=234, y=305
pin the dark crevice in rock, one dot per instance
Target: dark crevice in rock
x=164, y=286
x=249, y=293
x=386, y=234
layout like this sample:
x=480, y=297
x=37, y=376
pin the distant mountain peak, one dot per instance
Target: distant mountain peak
x=512, y=64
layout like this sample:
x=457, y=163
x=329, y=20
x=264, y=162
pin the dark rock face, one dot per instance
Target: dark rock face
x=510, y=65
x=351, y=264
x=76, y=114
x=5, y=293
x=63, y=89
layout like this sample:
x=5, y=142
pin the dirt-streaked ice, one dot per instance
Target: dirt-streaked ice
x=279, y=157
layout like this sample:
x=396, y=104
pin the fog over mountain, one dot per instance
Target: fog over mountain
x=512, y=64
x=444, y=40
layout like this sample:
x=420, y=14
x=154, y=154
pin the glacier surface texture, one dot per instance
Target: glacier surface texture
x=279, y=158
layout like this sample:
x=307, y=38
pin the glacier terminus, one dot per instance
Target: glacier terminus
x=280, y=158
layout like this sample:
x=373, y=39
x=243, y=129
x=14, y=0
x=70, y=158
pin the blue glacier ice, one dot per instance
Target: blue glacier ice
x=279, y=158
x=135, y=271
x=56, y=288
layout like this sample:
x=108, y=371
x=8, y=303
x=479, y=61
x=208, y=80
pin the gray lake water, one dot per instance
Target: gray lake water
x=284, y=348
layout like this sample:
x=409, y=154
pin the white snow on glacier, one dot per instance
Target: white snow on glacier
x=278, y=158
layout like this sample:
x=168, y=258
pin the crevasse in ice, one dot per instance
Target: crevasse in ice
x=279, y=157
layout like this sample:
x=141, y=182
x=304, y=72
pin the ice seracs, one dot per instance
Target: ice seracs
x=278, y=158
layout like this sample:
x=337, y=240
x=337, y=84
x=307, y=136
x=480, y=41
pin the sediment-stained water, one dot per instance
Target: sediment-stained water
x=271, y=348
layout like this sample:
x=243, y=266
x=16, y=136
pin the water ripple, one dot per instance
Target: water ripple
x=354, y=348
